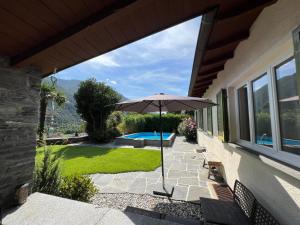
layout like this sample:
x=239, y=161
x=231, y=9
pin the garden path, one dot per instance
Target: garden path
x=183, y=171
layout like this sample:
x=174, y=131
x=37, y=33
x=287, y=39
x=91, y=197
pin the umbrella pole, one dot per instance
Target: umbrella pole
x=161, y=147
x=164, y=192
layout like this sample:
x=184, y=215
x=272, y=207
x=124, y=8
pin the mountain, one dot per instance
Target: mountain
x=66, y=119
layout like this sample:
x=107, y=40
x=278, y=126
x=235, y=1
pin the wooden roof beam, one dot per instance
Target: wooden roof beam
x=211, y=71
x=84, y=23
x=203, y=87
x=230, y=40
x=244, y=8
x=218, y=59
x=210, y=76
x=199, y=92
x=203, y=84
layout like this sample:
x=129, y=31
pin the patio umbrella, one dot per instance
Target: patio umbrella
x=163, y=102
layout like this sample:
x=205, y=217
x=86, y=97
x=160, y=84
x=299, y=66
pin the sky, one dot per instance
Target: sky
x=160, y=63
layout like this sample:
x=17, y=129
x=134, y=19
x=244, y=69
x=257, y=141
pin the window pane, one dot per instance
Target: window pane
x=288, y=107
x=201, y=118
x=209, y=120
x=243, y=113
x=220, y=115
x=261, y=107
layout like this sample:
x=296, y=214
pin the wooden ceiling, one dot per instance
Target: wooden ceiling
x=219, y=35
x=49, y=34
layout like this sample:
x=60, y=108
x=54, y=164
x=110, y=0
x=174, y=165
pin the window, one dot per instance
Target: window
x=243, y=113
x=200, y=124
x=222, y=117
x=261, y=111
x=288, y=87
x=209, y=120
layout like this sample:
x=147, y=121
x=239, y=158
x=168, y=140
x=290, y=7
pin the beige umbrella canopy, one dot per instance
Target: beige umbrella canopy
x=163, y=102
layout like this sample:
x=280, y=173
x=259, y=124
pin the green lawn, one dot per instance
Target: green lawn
x=89, y=160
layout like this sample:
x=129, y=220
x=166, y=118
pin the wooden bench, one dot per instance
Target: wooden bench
x=243, y=210
x=211, y=160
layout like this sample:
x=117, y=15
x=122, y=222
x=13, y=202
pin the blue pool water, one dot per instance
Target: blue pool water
x=268, y=141
x=148, y=136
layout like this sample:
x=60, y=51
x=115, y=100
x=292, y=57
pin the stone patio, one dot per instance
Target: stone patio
x=183, y=170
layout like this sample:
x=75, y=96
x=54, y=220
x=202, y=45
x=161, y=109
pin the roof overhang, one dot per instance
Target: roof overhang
x=219, y=35
x=56, y=34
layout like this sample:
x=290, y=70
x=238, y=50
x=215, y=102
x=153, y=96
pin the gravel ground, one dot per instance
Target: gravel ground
x=162, y=205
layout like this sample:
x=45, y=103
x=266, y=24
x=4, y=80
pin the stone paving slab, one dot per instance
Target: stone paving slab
x=183, y=170
x=42, y=209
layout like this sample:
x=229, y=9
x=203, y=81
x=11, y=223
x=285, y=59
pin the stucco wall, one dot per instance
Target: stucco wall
x=19, y=101
x=270, y=43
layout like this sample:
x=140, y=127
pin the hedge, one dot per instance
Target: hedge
x=150, y=122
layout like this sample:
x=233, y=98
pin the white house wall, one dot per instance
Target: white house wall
x=270, y=43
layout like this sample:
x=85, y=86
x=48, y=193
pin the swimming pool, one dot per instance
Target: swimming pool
x=149, y=135
x=269, y=141
x=146, y=139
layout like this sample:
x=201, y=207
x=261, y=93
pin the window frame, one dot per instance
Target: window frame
x=200, y=121
x=223, y=106
x=209, y=132
x=276, y=151
x=271, y=99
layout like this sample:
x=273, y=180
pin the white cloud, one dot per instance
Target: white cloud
x=108, y=81
x=103, y=60
x=157, y=76
x=175, y=43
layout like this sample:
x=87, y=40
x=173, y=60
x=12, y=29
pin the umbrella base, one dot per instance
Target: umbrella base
x=164, y=191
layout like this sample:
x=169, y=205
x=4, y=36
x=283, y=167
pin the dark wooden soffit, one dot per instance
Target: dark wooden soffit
x=58, y=34
x=71, y=30
x=220, y=33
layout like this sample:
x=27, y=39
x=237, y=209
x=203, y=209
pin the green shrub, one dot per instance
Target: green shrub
x=77, y=187
x=46, y=177
x=133, y=123
x=114, y=119
x=188, y=128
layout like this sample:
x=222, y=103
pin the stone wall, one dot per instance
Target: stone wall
x=19, y=102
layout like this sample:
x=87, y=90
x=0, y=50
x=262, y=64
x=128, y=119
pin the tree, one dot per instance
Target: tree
x=95, y=102
x=48, y=92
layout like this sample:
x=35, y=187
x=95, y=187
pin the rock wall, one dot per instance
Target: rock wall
x=19, y=103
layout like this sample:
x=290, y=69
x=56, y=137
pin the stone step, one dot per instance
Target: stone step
x=43, y=209
x=162, y=217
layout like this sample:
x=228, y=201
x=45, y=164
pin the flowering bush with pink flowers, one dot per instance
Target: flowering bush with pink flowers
x=188, y=128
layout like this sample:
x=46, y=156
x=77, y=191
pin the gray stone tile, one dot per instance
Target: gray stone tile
x=175, y=173
x=158, y=187
x=169, y=181
x=111, y=189
x=189, y=174
x=196, y=192
x=152, y=175
x=138, y=186
x=103, y=179
x=203, y=184
x=180, y=193
x=178, y=166
x=193, y=167
x=121, y=183
x=188, y=181
x=152, y=180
